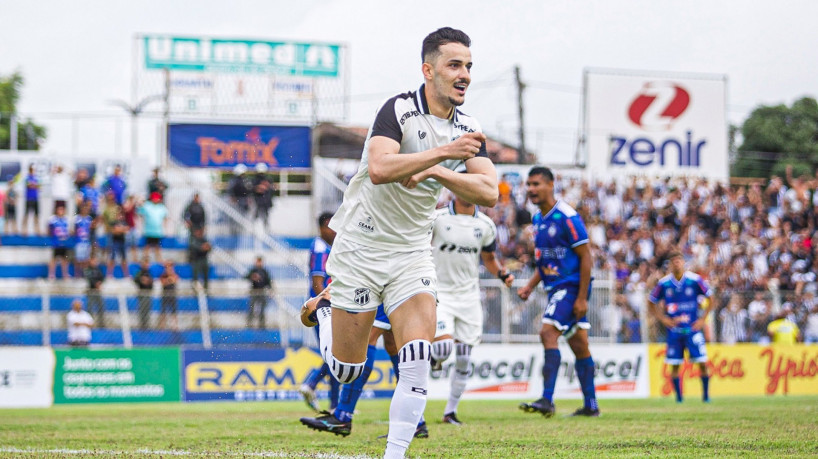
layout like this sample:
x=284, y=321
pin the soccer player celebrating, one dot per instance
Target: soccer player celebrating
x=564, y=266
x=681, y=292
x=382, y=253
x=319, y=252
x=461, y=237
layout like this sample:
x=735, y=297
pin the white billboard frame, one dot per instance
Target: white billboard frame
x=672, y=149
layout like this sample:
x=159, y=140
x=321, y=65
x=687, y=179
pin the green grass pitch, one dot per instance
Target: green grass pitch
x=727, y=427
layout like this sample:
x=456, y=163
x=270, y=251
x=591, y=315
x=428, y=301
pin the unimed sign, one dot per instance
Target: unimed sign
x=236, y=55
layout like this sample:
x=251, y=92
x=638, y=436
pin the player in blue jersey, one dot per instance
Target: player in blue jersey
x=682, y=292
x=564, y=267
x=319, y=279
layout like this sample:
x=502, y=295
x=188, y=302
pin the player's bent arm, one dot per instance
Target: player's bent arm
x=494, y=267
x=387, y=165
x=317, y=283
x=660, y=316
x=585, y=262
x=477, y=186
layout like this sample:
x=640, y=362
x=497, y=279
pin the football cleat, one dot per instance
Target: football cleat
x=451, y=418
x=422, y=431
x=327, y=422
x=585, y=411
x=309, y=310
x=309, y=397
x=542, y=406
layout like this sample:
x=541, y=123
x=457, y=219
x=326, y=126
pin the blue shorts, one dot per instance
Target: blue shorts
x=382, y=320
x=560, y=310
x=678, y=341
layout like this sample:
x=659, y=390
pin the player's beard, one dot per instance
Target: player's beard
x=456, y=103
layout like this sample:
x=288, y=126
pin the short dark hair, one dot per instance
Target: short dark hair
x=438, y=38
x=542, y=170
x=324, y=218
x=674, y=254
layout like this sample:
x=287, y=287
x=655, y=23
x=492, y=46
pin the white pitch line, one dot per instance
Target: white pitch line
x=172, y=452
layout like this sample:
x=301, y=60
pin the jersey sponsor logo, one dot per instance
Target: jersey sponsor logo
x=408, y=115
x=361, y=296
x=446, y=247
x=366, y=226
x=553, y=253
x=463, y=127
x=421, y=134
x=425, y=281
x=478, y=233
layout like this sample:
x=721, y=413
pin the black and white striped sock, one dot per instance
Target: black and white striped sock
x=442, y=349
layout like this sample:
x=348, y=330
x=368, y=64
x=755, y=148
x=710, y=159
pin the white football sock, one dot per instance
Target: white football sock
x=442, y=349
x=459, y=377
x=343, y=372
x=409, y=399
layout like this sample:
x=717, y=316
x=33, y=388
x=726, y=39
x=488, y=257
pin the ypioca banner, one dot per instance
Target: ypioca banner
x=742, y=369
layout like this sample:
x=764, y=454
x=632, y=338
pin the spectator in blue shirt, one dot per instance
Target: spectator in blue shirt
x=116, y=184
x=32, y=184
x=60, y=241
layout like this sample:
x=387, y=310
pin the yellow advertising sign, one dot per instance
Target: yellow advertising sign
x=287, y=373
x=741, y=369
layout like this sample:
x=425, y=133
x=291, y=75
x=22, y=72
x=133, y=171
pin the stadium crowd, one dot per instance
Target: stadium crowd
x=752, y=243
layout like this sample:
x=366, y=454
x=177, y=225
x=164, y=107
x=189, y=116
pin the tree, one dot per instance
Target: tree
x=29, y=134
x=777, y=136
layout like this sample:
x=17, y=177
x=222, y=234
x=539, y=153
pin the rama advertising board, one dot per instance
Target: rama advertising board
x=655, y=124
x=117, y=375
x=742, y=369
x=26, y=377
x=266, y=374
x=514, y=371
x=226, y=145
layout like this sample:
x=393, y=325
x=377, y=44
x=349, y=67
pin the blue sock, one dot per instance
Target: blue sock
x=585, y=373
x=549, y=373
x=315, y=376
x=705, y=388
x=677, y=387
x=334, y=391
x=394, y=359
x=350, y=393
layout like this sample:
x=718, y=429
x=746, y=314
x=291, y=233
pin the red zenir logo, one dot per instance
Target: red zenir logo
x=658, y=105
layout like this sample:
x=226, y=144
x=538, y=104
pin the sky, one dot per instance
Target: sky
x=76, y=56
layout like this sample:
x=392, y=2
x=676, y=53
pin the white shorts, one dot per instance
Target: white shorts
x=364, y=277
x=461, y=316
